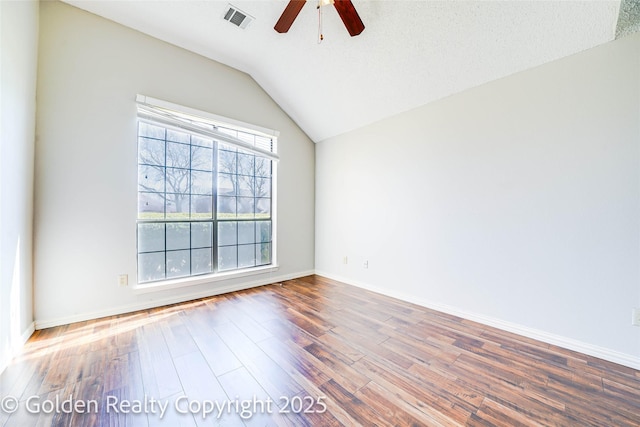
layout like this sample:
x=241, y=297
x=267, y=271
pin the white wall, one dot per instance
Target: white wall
x=90, y=70
x=18, y=56
x=516, y=203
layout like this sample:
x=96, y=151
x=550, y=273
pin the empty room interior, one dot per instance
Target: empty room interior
x=290, y=213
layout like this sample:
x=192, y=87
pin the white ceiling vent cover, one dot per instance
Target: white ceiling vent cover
x=237, y=17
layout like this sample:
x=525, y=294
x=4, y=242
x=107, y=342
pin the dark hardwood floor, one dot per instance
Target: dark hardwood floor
x=308, y=352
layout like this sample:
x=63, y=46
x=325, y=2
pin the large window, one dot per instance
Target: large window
x=205, y=197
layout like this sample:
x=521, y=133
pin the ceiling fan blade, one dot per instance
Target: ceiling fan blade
x=349, y=16
x=289, y=15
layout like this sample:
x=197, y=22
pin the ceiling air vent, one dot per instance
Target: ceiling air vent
x=237, y=17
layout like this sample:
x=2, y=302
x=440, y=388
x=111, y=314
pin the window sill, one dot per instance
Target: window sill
x=143, y=288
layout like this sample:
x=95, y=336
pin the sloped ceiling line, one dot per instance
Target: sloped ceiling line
x=410, y=54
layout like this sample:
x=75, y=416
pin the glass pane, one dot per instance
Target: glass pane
x=176, y=136
x=196, y=140
x=178, y=263
x=150, y=237
x=263, y=167
x=263, y=187
x=246, y=185
x=150, y=266
x=227, y=161
x=245, y=207
x=146, y=129
x=201, y=207
x=201, y=182
x=178, y=235
x=177, y=206
x=246, y=256
x=150, y=206
x=263, y=208
x=201, y=261
x=177, y=180
x=263, y=253
x=201, y=158
x=263, y=231
x=246, y=232
x=178, y=155
x=150, y=151
x=151, y=178
x=226, y=207
x=227, y=233
x=201, y=235
x=226, y=184
x=245, y=164
x=227, y=258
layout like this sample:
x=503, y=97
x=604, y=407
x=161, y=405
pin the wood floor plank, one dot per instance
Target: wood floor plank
x=360, y=358
x=172, y=418
x=268, y=373
x=288, y=331
x=219, y=357
x=499, y=415
x=302, y=370
x=178, y=339
x=159, y=375
x=359, y=411
x=257, y=407
x=201, y=385
x=402, y=386
x=17, y=377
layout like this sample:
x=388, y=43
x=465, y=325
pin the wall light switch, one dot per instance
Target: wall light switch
x=635, y=317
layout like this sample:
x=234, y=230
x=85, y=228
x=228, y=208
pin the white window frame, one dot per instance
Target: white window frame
x=160, y=112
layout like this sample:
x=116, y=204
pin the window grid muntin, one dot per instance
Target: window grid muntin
x=215, y=215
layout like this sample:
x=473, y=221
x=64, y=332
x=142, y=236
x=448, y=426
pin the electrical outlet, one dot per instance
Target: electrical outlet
x=635, y=317
x=123, y=280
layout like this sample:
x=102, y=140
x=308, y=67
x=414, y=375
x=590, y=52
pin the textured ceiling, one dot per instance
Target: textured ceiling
x=629, y=18
x=410, y=53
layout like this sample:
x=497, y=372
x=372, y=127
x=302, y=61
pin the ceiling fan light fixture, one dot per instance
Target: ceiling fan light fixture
x=326, y=2
x=345, y=9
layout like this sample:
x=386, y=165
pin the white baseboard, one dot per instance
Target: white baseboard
x=26, y=334
x=561, y=341
x=5, y=359
x=49, y=323
x=546, y=337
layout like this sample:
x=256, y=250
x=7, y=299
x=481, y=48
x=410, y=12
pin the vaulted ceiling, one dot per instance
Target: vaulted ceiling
x=410, y=53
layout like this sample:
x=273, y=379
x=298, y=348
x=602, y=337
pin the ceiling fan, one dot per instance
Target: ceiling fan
x=345, y=9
